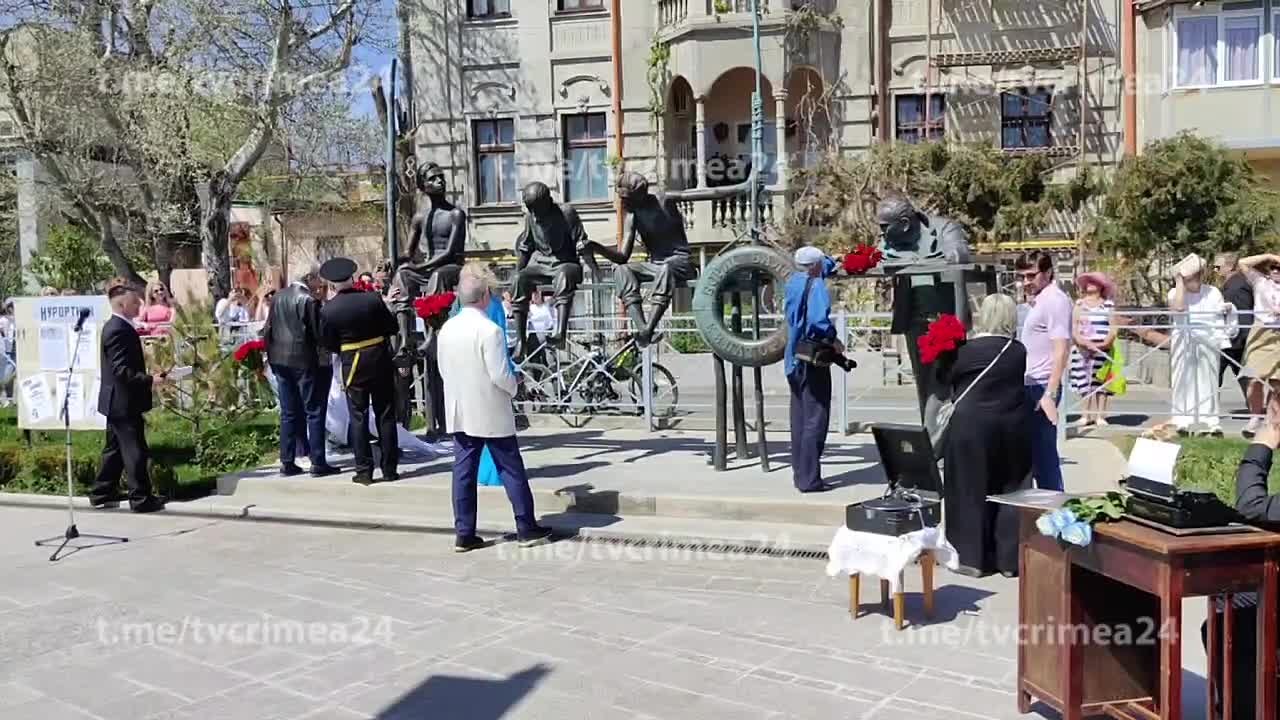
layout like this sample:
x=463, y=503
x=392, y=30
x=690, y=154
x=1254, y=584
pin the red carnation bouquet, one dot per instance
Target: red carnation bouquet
x=434, y=308
x=944, y=335
x=250, y=354
x=863, y=259
x=365, y=286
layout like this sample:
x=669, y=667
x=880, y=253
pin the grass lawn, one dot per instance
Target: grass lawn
x=1208, y=464
x=185, y=464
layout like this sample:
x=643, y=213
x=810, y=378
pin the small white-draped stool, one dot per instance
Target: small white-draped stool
x=886, y=557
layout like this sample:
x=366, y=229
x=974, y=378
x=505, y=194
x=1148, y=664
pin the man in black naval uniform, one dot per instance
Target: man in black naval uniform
x=359, y=327
x=546, y=251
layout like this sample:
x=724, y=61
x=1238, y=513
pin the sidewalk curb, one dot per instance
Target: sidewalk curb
x=204, y=508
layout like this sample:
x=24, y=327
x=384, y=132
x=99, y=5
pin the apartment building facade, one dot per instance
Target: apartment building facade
x=1212, y=68
x=510, y=91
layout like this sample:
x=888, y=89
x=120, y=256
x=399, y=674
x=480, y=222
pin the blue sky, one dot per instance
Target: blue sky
x=373, y=59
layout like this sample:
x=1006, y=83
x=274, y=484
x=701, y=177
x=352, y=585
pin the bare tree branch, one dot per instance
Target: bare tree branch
x=338, y=16
x=339, y=65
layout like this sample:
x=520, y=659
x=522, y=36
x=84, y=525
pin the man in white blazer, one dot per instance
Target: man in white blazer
x=478, y=388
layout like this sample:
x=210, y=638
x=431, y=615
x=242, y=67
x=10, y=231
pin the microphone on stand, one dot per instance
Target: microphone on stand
x=84, y=315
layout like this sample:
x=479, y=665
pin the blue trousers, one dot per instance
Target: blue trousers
x=466, y=466
x=1046, y=464
x=810, y=417
x=303, y=402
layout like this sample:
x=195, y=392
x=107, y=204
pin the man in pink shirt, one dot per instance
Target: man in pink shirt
x=1046, y=333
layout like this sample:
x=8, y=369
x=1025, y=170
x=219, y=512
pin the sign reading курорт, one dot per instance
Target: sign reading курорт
x=46, y=343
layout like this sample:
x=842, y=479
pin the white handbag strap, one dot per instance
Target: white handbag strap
x=984, y=372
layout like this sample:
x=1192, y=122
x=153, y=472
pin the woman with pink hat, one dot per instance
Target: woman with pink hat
x=1094, y=333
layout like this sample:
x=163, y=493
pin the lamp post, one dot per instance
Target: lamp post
x=757, y=125
x=392, y=194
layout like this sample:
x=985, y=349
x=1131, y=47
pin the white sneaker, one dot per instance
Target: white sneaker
x=1252, y=428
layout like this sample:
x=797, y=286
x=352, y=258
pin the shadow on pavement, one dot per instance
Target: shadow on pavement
x=586, y=499
x=449, y=696
x=564, y=470
x=950, y=601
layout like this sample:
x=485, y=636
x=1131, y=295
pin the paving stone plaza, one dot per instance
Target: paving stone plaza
x=217, y=618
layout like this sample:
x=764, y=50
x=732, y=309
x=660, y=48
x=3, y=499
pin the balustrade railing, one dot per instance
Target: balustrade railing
x=687, y=211
x=735, y=212
x=736, y=6
x=672, y=12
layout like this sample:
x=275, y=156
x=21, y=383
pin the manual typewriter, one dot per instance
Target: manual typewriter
x=911, y=501
x=1165, y=504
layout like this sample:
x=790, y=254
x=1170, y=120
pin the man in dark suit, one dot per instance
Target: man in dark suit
x=124, y=396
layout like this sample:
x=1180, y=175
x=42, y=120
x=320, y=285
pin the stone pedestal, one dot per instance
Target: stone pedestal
x=921, y=293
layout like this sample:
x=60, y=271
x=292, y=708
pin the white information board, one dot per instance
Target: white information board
x=46, y=342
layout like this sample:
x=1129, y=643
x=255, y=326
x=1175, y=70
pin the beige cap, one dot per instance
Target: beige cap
x=1190, y=265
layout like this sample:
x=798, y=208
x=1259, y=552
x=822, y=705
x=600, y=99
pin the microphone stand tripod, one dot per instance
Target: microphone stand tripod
x=72, y=532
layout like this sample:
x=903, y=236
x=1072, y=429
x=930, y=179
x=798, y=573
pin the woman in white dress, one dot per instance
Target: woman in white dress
x=1203, y=324
x=337, y=420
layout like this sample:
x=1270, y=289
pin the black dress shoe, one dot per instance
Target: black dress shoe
x=534, y=536
x=324, y=470
x=150, y=505
x=290, y=469
x=467, y=544
x=1009, y=573
x=108, y=501
x=363, y=479
x=393, y=477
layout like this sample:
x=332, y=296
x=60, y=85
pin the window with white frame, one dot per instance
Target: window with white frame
x=585, y=145
x=1222, y=47
x=495, y=156
x=1275, y=45
x=479, y=9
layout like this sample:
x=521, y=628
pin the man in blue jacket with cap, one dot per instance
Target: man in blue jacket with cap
x=808, y=311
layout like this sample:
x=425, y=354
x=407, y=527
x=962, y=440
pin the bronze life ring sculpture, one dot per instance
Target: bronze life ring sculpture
x=709, y=317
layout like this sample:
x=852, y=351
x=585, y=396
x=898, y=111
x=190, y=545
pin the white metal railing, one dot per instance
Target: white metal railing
x=881, y=384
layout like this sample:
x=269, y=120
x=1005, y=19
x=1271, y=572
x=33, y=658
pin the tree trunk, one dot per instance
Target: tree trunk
x=215, y=225
x=164, y=252
x=117, y=257
x=406, y=205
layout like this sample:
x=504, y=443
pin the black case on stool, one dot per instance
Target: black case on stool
x=912, y=500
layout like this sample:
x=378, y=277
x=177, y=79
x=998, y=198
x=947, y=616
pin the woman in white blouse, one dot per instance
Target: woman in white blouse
x=1202, y=326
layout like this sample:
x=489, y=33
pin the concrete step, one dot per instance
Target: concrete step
x=395, y=499
x=659, y=534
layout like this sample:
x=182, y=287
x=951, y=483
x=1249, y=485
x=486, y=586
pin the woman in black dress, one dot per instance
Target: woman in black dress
x=988, y=450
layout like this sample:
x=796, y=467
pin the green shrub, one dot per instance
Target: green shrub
x=683, y=337
x=44, y=470
x=10, y=464
x=231, y=447
x=1209, y=464
x=184, y=465
x=164, y=481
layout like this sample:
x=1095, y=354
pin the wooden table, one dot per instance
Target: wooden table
x=1075, y=603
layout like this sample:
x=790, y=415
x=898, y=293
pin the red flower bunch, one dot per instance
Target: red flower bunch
x=862, y=259
x=249, y=350
x=365, y=286
x=944, y=335
x=432, y=306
